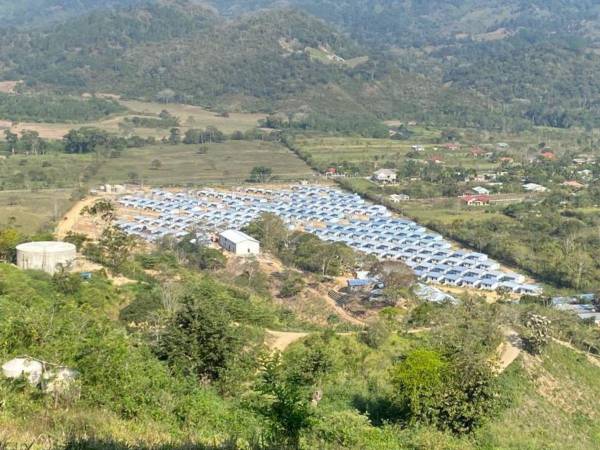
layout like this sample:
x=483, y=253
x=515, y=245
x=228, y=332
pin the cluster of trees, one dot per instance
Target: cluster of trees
x=164, y=120
x=55, y=108
x=89, y=139
x=29, y=142
x=302, y=250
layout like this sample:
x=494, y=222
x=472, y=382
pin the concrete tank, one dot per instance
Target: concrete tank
x=46, y=256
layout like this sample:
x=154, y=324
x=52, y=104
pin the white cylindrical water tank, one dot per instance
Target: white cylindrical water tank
x=46, y=256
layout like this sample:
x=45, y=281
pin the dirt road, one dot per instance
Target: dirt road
x=280, y=340
x=70, y=219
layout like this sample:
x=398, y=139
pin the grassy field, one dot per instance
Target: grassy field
x=227, y=163
x=53, y=170
x=555, y=404
x=326, y=151
x=369, y=154
x=32, y=211
x=189, y=116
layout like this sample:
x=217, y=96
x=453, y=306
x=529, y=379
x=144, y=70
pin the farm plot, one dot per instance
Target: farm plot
x=226, y=163
x=32, y=211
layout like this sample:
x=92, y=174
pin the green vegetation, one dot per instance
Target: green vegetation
x=183, y=335
x=33, y=211
x=229, y=162
x=302, y=250
x=55, y=108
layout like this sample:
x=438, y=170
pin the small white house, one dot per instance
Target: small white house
x=532, y=187
x=397, y=198
x=385, y=176
x=239, y=243
x=481, y=190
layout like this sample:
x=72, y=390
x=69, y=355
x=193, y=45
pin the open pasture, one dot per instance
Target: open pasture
x=33, y=211
x=189, y=117
x=227, y=163
x=53, y=170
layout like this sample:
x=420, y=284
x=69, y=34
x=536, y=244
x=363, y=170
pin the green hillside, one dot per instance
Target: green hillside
x=194, y=371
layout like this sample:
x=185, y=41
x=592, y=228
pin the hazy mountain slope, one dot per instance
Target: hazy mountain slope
x=461, y=62
x=407, y=22
x=39, y=12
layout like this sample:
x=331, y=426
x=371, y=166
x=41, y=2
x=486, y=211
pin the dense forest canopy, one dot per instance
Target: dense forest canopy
x=483, y=63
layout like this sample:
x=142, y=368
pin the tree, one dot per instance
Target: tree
x=210, y=259
x=115, y=247
x=376, y=334
x=9, y=239
x=537, y=333
x=11, y=139
x=105, y=209
x=31, y=142
x=166, y=96
x=174, y=136
x=292, y=284
x=201, y=340
x=155, y=164
x=84, y=140
x=285, y=403
x=260, y=174
x=419, y=381
x=271, y=231
x=396, y=277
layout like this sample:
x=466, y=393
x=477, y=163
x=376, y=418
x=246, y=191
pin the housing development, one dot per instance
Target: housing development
x=330, y=214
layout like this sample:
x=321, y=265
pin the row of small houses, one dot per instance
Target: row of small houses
x=332, y=215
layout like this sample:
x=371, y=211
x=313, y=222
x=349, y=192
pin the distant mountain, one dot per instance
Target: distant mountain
x=40, y=12
x=409, y=22
x=484, y=63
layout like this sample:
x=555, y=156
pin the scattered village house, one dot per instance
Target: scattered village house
x=476, y=200
x=573, y=184
x=239, y=243
x=533, y=187
x=385, y=176
x=397, y=198
x=481, y=190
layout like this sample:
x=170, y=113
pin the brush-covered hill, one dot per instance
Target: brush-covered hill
x=283, y=61
x=39, y=12
x=537, y=57
x=341, y=66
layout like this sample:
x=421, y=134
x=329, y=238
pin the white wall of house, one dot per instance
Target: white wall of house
x=240, y=248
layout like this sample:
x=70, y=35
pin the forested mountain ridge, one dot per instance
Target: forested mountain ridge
x=341, y=66
x=40, y=12
x=410, y=23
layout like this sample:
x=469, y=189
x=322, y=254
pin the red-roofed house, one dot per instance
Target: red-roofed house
x=452, y=146
x=476, y=200
x=477, y=152
x=573, y=184
x=550, y=156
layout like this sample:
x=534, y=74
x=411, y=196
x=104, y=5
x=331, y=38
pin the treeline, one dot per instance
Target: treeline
x=361, y=124
x=164, y=120
x=55, y=108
